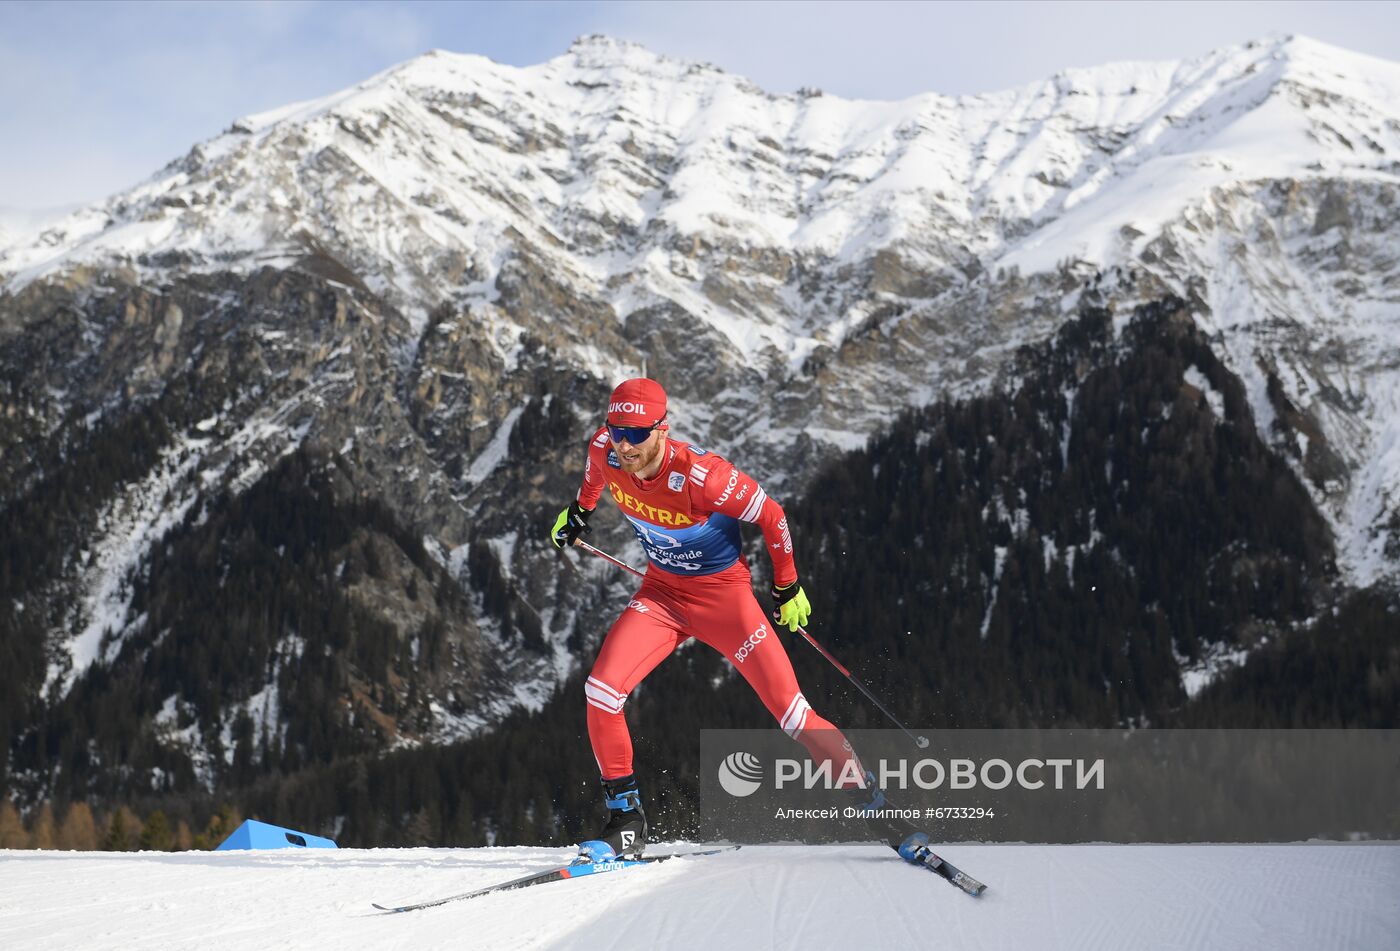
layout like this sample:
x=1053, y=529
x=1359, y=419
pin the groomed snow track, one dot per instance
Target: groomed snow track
x=1042, y=897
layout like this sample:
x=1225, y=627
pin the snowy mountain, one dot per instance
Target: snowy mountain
x=1050, y=897
x=22, y=224
x=430, y=280
x=826, y=249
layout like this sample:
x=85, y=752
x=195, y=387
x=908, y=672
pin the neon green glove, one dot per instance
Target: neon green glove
x=791, y=609
x=571, y=523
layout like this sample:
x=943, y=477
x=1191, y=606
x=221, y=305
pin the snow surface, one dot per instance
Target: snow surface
x=1116, y=897
x=18, y=225
x=1218, y=659
x=495, y=452
x=1214, y=398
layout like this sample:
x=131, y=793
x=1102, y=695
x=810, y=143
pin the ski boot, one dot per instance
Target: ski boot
x=915, y=851
x=902, y=836
x=868, y=803
x=625, y=835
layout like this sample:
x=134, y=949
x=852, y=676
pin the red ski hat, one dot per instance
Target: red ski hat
x=636, y=402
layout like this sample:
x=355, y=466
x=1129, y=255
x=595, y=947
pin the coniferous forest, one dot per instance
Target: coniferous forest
x=1054, y=554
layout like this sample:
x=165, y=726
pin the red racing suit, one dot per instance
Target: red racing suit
x=697, y=585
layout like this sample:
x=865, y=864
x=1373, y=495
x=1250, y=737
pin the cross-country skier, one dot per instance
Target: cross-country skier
x=685, y=505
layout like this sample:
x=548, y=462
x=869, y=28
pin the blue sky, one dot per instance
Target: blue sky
x=96, y=96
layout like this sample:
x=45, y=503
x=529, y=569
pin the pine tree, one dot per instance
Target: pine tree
x=121, y=828
x=155, y=834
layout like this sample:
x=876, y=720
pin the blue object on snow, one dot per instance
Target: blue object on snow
x=913, y=848
x=253, y=834
x=595, y=851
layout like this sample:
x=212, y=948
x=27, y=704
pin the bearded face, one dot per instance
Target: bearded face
x=641, y=459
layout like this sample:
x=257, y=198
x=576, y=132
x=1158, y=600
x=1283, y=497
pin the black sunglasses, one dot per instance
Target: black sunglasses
x=636, y=435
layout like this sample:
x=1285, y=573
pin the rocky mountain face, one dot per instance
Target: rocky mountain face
x=1135, y=555
x=402, y=306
